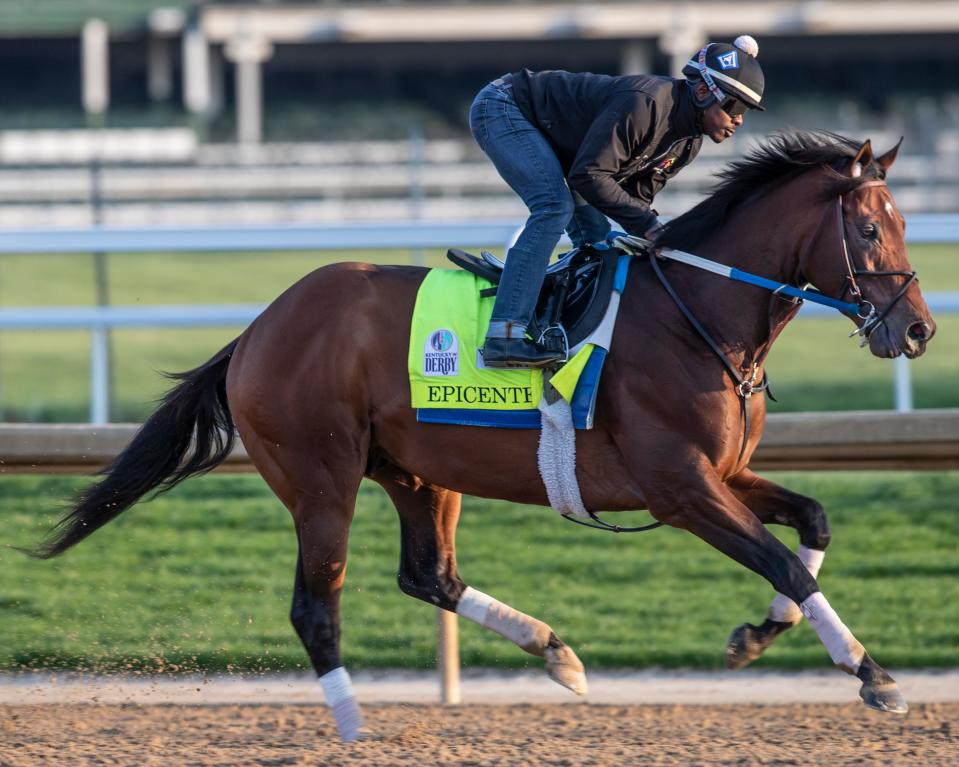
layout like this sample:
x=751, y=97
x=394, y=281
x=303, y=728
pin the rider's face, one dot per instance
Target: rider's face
x=718, y=124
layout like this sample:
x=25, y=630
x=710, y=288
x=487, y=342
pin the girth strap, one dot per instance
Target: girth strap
x=602, y=524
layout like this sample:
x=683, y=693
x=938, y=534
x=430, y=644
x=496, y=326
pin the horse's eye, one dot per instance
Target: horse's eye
x=869, y=231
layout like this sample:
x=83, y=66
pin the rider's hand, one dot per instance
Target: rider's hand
x=651, y=235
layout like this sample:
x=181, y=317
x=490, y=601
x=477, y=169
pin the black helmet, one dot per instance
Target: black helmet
x=729, y=70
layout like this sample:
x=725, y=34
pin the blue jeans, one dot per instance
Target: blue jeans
x=528, y=164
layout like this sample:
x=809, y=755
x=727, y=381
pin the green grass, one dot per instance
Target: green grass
x=201, y=579
x=44, y=376
x=815, y=366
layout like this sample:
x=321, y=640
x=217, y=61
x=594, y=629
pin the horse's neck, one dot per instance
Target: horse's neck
x=765, y=238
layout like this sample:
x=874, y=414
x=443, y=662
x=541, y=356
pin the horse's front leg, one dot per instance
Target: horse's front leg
x=695, y=499
x=774, y=504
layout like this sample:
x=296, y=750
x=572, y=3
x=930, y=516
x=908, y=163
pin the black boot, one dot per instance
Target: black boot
x=517, y=353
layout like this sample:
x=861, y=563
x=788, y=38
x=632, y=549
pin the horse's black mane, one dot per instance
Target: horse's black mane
x=777, y=159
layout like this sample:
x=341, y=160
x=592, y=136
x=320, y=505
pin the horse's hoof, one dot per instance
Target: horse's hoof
x=564, y=667
x=349, y=721
x=748, y=642
x=884, y=697
x=743, y=647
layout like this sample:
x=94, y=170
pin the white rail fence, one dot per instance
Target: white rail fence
x=413, y=236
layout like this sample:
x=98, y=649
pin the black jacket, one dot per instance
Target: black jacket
x=619, y=139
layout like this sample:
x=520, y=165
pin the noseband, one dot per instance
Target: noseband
x=867, y=310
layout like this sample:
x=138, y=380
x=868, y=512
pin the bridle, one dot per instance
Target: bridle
x=867, y=312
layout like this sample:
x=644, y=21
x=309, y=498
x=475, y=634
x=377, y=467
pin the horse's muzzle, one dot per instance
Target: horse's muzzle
x=890, y=340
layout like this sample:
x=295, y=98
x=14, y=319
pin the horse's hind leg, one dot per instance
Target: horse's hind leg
x=428, y=519
x=315, y=612
x=320, y=493
x=696, y=500
x=774, y=504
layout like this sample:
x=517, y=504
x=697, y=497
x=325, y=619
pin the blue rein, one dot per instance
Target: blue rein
x=788, y=290
x=637, y=244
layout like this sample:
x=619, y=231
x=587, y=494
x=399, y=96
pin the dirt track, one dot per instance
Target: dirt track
x=572, y=734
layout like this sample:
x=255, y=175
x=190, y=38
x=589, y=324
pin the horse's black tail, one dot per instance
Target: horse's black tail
x=190, y=433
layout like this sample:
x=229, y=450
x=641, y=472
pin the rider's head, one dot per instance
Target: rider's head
x=725, y=80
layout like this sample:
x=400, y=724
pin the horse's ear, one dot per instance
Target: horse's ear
x=861, y=160
x=889, y=157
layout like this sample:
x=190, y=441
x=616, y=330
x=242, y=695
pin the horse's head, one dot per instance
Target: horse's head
x=819, y=201
x=861, y=257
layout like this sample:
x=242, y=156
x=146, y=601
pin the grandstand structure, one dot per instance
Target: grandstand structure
x=156, y=107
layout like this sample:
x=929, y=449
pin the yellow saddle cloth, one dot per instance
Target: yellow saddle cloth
x=448, y=383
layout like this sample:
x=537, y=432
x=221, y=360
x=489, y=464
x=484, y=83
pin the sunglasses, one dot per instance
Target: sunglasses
x=734, y=107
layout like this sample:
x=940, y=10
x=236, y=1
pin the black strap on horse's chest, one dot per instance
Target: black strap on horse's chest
x=744, y=387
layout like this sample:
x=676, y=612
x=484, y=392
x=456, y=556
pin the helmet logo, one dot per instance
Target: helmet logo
x=729, y=60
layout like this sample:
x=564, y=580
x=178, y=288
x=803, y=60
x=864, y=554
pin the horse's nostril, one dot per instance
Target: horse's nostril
x=918, y=331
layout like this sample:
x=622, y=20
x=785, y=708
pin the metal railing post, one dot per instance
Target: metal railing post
x=101, y=275
x=99, y=375
x=903, y=384
x=448, y=656
x=416, y=160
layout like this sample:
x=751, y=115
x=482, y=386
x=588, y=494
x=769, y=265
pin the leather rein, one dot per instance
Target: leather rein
x=746, y=384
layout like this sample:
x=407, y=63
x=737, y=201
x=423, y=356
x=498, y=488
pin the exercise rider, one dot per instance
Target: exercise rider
x=578, y=147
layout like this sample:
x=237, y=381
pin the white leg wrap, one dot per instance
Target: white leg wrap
x=339, y=695
x=557, y=459
x=530, y=634
x=843, y=647
x=783, y=609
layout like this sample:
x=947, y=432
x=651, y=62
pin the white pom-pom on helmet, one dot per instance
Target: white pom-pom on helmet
x=748, y=44
x=729, y=70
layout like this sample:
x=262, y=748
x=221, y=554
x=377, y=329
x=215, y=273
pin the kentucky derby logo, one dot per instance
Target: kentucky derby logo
x=441, y=340
x=729, y=60
x=441, y=355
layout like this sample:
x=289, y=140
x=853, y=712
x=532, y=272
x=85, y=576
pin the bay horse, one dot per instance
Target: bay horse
x=317, y=389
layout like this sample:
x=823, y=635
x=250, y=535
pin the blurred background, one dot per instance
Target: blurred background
x=232, y=116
